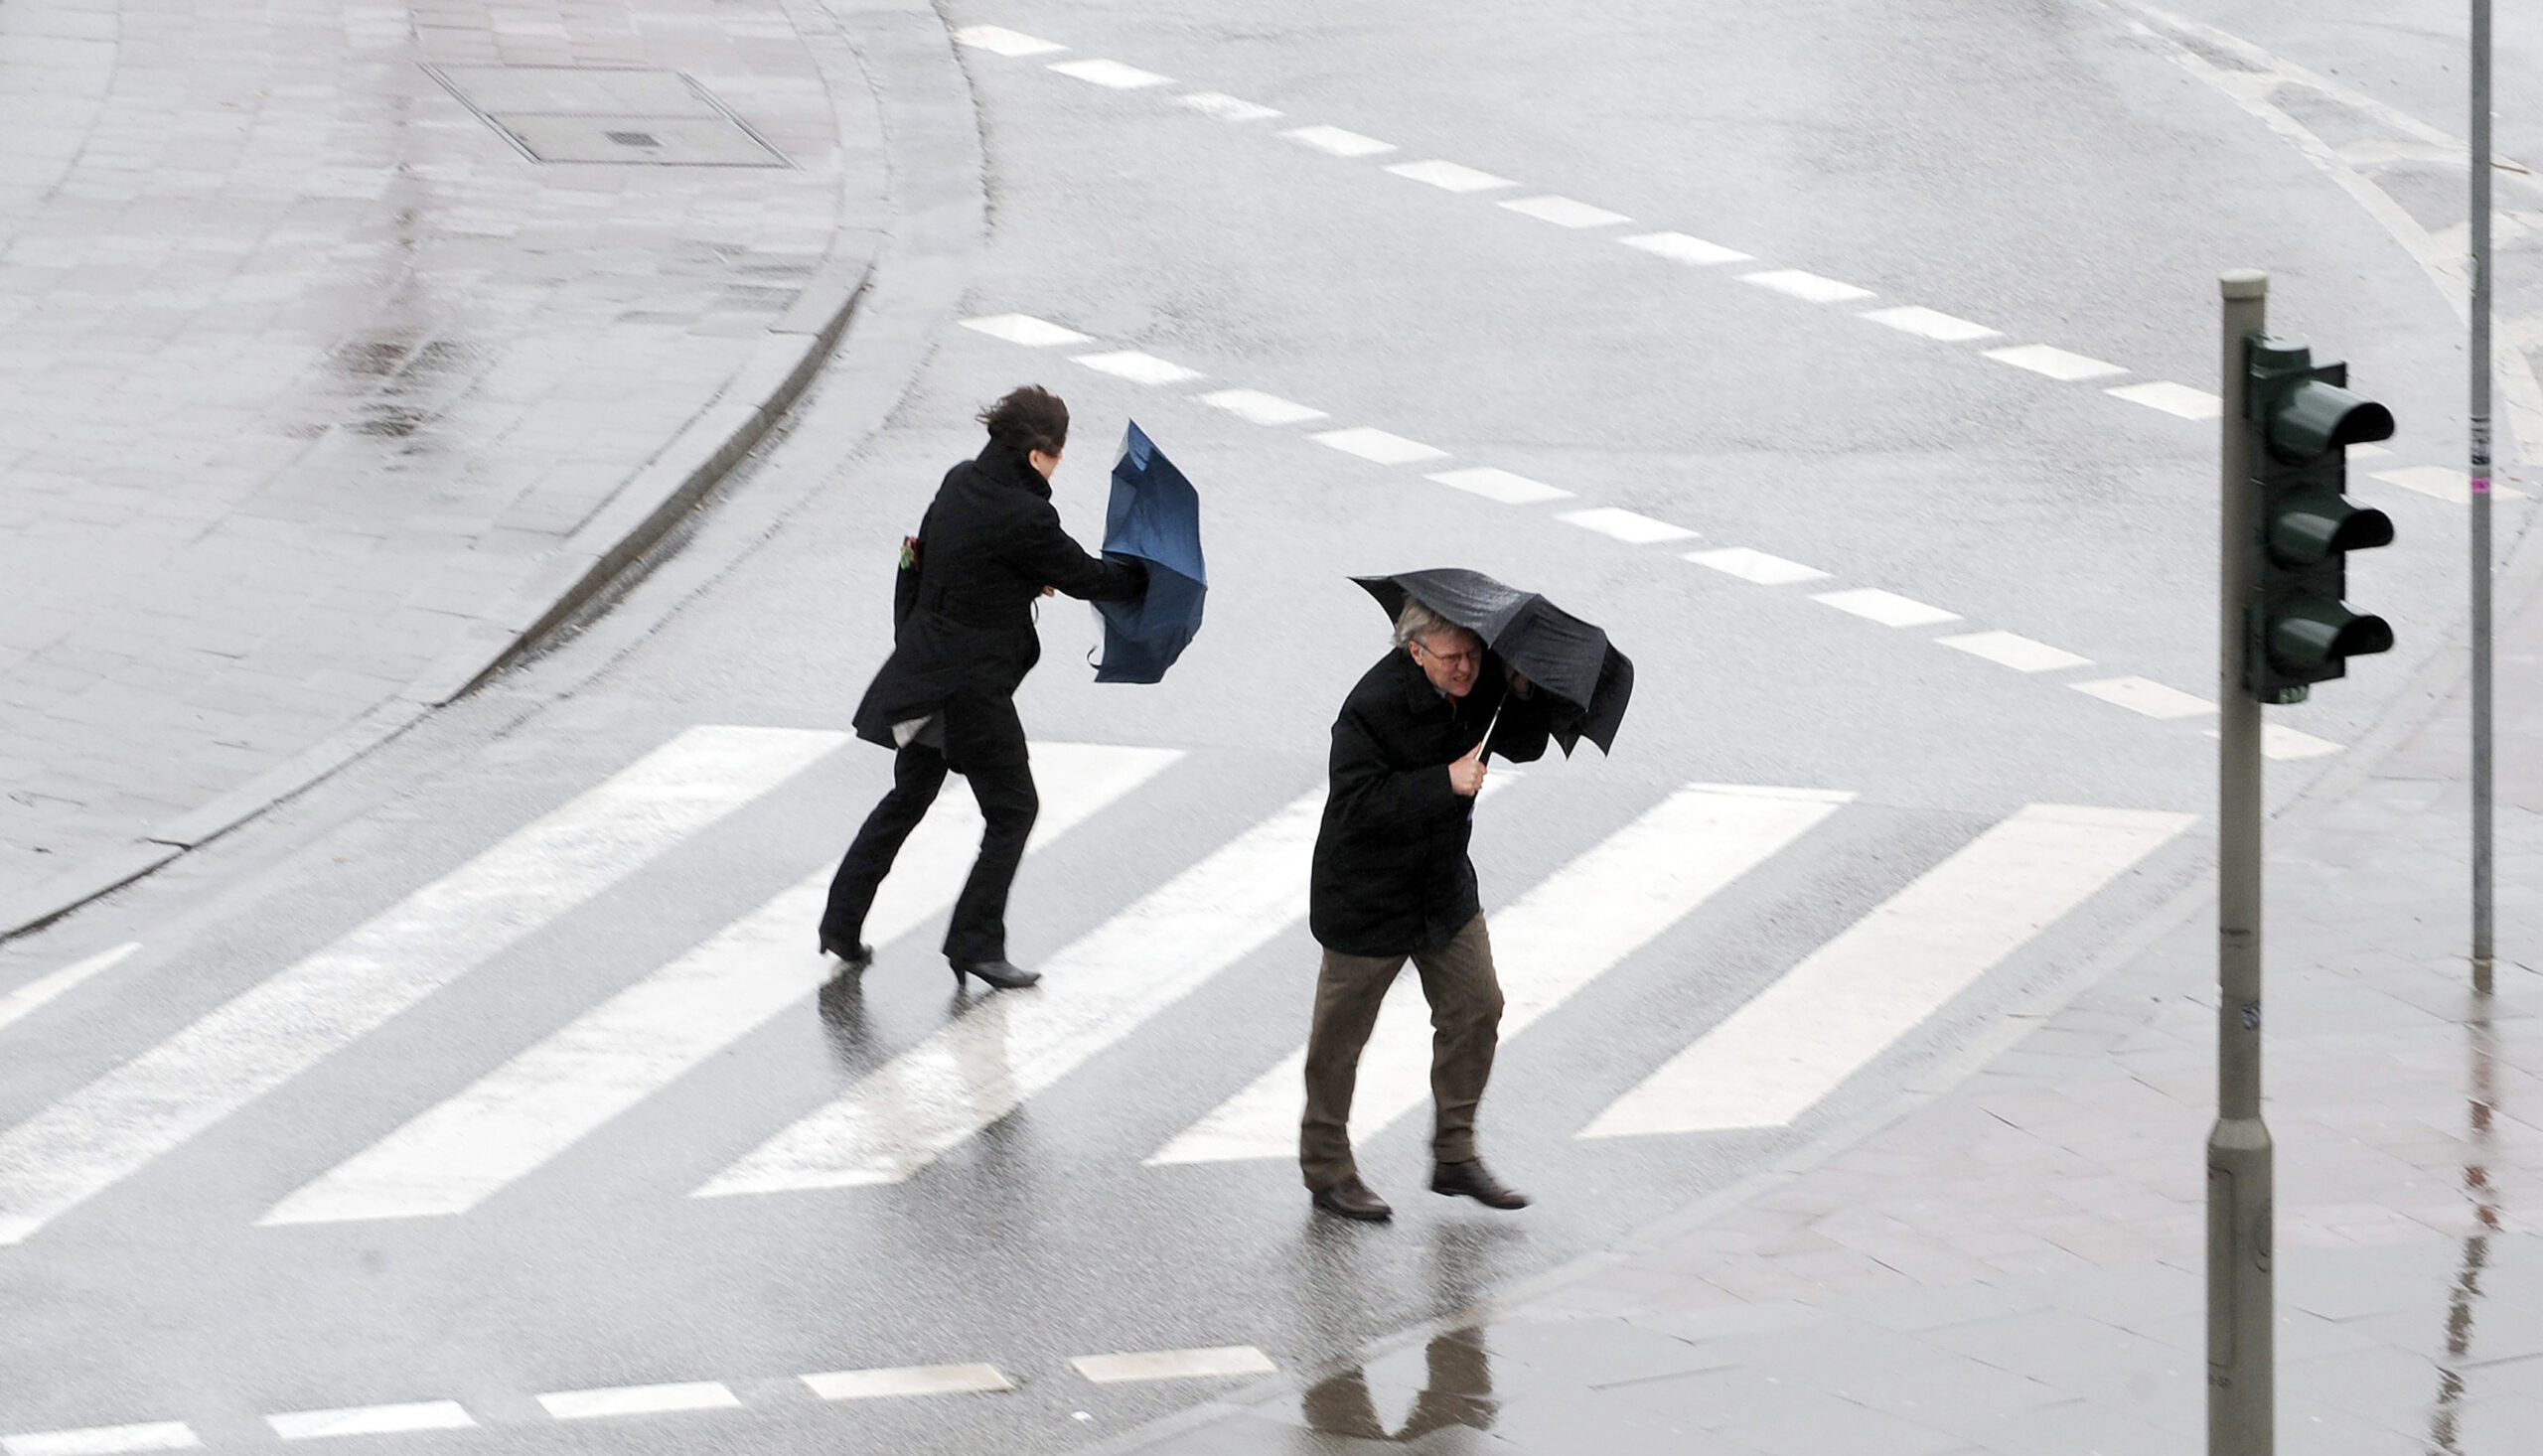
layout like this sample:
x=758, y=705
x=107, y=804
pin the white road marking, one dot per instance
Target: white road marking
x=2056, y=364
x=2011, y=649
x=516, y=1118
x=281, y=1027
x=1004, y=41
x=1111, y=75
x=1026, y=330
x=1749, y=564
x=1501, y=486
x=639, y=1400
x=372, y=1421
x=2170, y=398
x=1012, y=1045
x=2278, y=741
x=1631, y=528
x=1138, y=367
x=1678, y=248
x=1337, y=142
x=2281, y=741
x=2146, y=695
x=103, y=1441
x=2368, y=452
x=1261, y=408
x=1886, y=608
x=1808, y=287
x=1930, y=324
x=1565, y=212
x=2441, y=481
x=25, y=999
x=913, y=1380
x=1225, y=108
x=1173, y=1365
x=1801, y=1038
x=1450, y=176
x=1379, y=446
x=1563, y=935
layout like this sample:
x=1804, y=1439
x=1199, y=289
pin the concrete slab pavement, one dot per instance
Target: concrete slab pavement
x=324, y=390
x=2014, y=1264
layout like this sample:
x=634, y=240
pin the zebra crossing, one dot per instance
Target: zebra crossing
x=1766, y=1064
x=321, y=1005
x=1558, y=937
x=516, y=1117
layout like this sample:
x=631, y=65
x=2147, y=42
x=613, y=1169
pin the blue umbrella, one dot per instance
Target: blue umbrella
x=1155, y=517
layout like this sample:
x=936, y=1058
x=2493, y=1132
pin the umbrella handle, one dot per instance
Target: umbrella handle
x=1480, y=748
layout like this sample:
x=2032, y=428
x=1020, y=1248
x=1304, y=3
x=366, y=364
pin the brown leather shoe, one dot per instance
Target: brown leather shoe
x=1353, y=1198
x=1473, y=1180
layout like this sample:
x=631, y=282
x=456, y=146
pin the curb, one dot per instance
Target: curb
x=636, y=519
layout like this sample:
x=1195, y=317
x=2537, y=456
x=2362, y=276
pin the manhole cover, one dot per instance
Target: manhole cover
x=566, y=113
x=694, y=141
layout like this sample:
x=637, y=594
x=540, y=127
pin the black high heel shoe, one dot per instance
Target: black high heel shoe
x=858, y=955
x=1002, y=976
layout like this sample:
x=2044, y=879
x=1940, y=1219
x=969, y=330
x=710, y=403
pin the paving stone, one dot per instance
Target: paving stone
x=1575, y=1422
x=1585, y=1351
x=1945, y=1394
x=1708, y=1401
x=2074, y=1428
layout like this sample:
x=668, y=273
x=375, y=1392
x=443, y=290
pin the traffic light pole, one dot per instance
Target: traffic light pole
x=2481, y=473
x=2241, y=1376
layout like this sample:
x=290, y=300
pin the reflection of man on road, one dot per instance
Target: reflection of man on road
x=1456, y=1391
x=946, y=698
x=1392, y=882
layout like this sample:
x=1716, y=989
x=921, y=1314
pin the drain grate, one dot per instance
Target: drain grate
x=573, y=113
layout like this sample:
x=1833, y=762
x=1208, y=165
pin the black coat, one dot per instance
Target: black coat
x=988, y=544
x=1391, y=874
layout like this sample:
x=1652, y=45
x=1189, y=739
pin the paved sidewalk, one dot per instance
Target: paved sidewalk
x=2016, y=1266
x=320, y=385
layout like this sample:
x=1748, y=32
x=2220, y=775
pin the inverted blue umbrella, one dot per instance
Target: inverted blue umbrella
x=1155, y=517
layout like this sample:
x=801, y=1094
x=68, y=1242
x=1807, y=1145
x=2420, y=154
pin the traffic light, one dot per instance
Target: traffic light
x=2298, y=629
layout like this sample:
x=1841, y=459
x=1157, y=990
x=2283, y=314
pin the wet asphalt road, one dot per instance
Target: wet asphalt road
x=2036, y=168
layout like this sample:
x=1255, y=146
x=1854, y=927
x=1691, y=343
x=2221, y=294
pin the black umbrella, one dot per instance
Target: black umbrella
x=1557, y=651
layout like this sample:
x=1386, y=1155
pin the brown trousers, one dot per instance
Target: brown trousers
x=1465, y=1027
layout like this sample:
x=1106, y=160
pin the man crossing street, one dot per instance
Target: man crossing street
x=1392, y=882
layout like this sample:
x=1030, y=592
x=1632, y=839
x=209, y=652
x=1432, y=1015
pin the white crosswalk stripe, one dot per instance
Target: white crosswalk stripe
x=542, y=1102
x=1009, y=1047
x=24, y=1001
x=1848, y=1001
x=1770, y=1061
x=271, y=1033
x=1566, y=933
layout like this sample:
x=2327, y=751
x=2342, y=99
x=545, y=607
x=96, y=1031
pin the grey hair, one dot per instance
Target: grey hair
x=1418, y=620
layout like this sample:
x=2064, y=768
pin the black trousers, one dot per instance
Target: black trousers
x=986, y=743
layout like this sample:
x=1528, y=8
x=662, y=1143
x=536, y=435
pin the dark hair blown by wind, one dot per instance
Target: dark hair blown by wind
x=1028, y=419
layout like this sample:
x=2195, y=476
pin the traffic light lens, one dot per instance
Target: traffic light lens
x=2312, y=530
x=2315, y=635
x=2316, y=417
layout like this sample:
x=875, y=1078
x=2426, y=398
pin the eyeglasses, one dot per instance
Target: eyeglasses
x=1453, y=660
